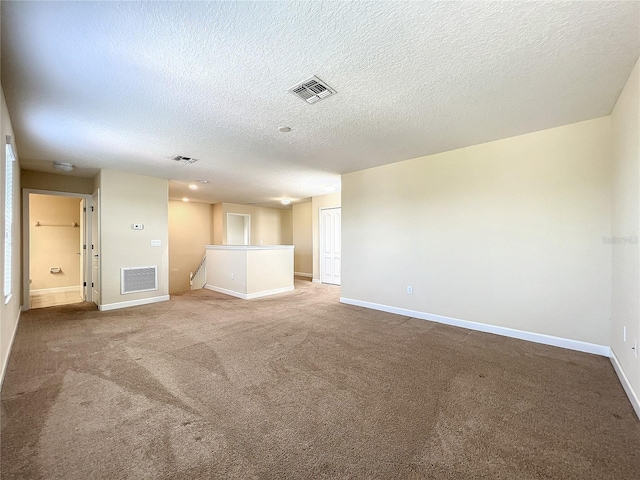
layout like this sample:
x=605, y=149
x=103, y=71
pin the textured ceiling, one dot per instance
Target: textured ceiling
x=126, y=85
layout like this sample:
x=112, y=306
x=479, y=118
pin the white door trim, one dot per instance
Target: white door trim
x=26, y=300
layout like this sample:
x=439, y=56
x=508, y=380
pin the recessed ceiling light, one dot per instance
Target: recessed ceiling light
x=329, y=188
x=285, y=201
x=284, y=129
x=193, y=187
x=185, y=199
x=204, y=181
x=63, y=166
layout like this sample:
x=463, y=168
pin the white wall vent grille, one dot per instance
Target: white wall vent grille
x=312, y=90
x=183, y=159
x=138, y=279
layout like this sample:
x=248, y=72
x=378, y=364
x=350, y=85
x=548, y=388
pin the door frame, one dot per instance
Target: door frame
x=95, y=252
x=26, y=259
x=321, y=242
x=246, y=230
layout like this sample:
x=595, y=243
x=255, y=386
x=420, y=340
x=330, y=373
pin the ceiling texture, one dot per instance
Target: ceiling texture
x=128, y=85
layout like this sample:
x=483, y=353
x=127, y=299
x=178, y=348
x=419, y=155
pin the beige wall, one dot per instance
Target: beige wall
x=507, y=233
x=269, y=270
x=625, y=307
x=227, y=269
x=249, y=271
x=323, y=201
x=190, y=227
x=97, y=181
x=55, y=243
x=269, y=226
x=217, y=229
x=286, y=226
x=9, y=312
x=56, y=182
x=302, y=238
x=126, y=199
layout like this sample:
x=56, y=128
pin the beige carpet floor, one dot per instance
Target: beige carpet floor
x=300, y=386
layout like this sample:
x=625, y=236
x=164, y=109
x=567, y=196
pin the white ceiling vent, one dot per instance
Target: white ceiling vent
x=183, y=159
x=312, y=90
x=138, y=279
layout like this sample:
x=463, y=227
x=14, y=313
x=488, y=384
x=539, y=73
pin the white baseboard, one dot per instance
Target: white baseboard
x=249, y=296
x=483, y=327
x=633, y=397
x=6, y=359
x=300, y=274
x=133, y=303
x=40, y=291
x=315, y=280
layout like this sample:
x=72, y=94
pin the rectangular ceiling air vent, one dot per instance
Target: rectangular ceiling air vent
x=138, y=279
x=312, y=90
x=183, y=159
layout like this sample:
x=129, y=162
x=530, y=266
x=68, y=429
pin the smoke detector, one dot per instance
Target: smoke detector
x=312, y=90
x=183, y=159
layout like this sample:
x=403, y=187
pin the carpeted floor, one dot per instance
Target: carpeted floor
x=300, y=386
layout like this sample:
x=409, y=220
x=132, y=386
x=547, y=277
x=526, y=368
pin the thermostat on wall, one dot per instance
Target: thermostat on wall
x=137, y=226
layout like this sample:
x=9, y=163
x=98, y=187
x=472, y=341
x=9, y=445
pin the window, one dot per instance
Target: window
x=8, y=219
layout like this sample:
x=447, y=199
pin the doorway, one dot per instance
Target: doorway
x=330, y=245
x=56, y=266
x=238, y=229
x=93, y=287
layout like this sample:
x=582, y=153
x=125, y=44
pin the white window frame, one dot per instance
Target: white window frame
x=8, y=220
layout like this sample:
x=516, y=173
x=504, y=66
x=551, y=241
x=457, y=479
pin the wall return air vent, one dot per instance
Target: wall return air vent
x=138, y=279
x=312, y=90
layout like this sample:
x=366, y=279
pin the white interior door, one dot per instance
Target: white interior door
x=95, y=248
x=330, y=245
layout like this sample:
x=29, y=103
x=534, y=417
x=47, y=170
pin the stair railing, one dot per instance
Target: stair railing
x=198, y=278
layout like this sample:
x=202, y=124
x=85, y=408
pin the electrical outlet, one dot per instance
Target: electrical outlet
x=635, y=348
x=232, y=276
x=624, y=334
x=409, y=289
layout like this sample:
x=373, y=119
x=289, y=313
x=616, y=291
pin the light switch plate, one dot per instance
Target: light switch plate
x=156, y=243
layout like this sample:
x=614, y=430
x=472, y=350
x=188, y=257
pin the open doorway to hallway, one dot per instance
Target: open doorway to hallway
x=55, y=252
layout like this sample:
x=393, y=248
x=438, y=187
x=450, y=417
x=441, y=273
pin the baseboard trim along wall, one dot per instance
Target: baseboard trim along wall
x=633, y=398
x=315, y=280
x=133, y=303
x=72, y=288
x=249, y=296
x=6, y=359
x=300, y=274
x=483, y=327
